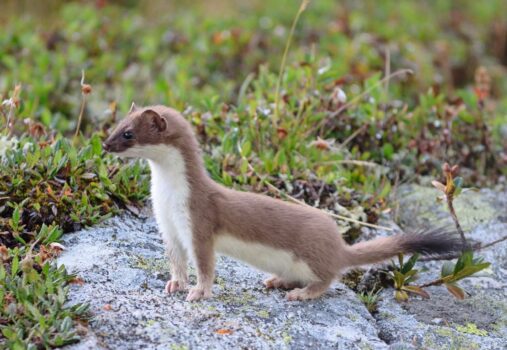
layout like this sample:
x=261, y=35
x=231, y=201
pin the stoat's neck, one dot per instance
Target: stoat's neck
x=178, y=167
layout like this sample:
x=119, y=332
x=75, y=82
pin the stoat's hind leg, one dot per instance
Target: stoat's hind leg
x=311, y=291
x=278, y=282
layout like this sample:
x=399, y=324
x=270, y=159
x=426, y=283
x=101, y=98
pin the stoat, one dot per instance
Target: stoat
x=298, y=245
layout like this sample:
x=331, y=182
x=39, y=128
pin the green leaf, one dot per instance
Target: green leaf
x=9, y=333
x=469, y=271
x=15, y=218
x=399, y=279
x=14, y=265
x=243, y=167
x=32, y=309
x=246, y=148
x=447, y=269
x=463, y=260
x=410, y=263
x=66, y=324
x=96, y=145
x=53, y=235
x=388, y=151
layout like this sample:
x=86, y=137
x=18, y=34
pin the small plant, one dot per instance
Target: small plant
x=49, y=186
x=33, y=294
x=370, y=299
x=451, y=190
x=404, y=274
x=86, y=89
x=465, y=266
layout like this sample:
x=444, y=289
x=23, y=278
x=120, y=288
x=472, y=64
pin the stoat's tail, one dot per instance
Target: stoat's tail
x=379, y=249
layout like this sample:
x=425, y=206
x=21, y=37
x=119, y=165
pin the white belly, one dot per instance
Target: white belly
x=276, y=261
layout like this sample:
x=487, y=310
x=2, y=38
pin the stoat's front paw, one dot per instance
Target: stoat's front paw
x=173, y=286
x=197, y=293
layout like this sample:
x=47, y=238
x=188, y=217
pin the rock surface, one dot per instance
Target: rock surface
x=122, y=264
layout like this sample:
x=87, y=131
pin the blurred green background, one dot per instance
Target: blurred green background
x=219, y=61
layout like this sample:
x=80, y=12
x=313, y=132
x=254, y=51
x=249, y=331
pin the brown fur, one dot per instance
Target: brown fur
x=308, y=233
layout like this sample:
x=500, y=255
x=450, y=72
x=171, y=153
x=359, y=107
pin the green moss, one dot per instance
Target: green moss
x=263, y=313
x=220, y=282
x=455, y=340
x=179, y=347
x=150, y=264
x=150, y=323
x=445, y=332
x=471, y=207
x=471, y=328
x=287, y=339
x=353, y=317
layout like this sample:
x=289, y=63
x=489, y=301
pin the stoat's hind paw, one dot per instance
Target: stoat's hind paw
x=280, y=283
x=173, y=286
x=311, y=291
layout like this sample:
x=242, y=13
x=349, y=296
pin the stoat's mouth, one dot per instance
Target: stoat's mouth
x=118, y=149
x=132, y=152
x=128, y=153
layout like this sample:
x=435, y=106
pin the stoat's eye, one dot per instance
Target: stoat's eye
x=128, y=135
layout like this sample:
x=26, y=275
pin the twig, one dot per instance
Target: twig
x=387, y=70
x=336, y=216
x=450, y=205
x=80, y=118
x=361, y=95
x=504, y=238
x=351, y=162
x=353, y=135
x=436, y=282
x=85, y=90
x=302, y=8
x=12, y=107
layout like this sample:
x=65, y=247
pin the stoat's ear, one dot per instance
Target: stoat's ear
x=157, y=121
x=133, y=108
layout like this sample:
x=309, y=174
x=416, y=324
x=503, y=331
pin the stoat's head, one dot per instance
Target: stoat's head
x=146, y=132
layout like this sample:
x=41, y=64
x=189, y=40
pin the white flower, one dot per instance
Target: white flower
x=5, y=144
x=339, y=95
x=27, y=146
x=9, y=103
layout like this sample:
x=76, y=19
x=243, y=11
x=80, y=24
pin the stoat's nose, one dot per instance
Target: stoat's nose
x=106, y=146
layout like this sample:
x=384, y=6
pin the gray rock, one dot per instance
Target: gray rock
x=122, y=263
x=479, y=321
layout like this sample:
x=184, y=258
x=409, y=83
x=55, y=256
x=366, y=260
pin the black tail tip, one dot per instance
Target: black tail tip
x=432, y=242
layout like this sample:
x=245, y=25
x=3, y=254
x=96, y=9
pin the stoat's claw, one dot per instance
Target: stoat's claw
x=198, y=293
x=297, y=294
x=173, y=286
x=280, y=283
